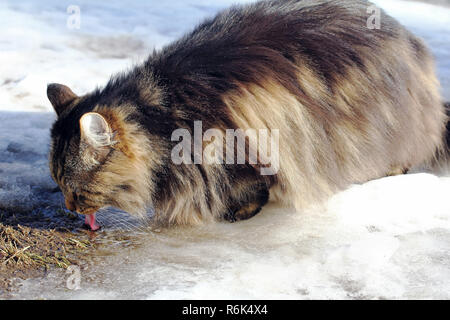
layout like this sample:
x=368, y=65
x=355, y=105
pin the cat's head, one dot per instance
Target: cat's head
x=98, y=157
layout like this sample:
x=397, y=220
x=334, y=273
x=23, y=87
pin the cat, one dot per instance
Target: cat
x=350, y=103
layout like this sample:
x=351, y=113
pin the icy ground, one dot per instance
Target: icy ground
x=388, y=238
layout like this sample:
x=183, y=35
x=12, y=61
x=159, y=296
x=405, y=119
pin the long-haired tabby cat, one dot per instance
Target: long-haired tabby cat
x=351, y=104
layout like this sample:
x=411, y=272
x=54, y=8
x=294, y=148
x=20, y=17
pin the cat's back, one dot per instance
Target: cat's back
x=260, y=32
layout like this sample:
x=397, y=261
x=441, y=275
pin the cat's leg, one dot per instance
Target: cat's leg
x=397, y=171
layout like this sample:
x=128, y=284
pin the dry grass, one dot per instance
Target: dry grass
x=25, y=251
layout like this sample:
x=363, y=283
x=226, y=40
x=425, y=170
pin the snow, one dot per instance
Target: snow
x=388, y=238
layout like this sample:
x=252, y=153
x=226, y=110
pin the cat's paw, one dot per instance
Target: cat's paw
x=243, y=213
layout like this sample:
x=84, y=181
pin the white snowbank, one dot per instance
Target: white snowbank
x=388, y=238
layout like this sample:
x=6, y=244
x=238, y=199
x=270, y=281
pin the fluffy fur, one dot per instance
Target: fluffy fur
x=350, y=103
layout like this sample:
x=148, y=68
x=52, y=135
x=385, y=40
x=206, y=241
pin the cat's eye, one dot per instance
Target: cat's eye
x=78, y=197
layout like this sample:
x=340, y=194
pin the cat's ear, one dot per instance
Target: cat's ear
x=60, y=96
x=95, y=130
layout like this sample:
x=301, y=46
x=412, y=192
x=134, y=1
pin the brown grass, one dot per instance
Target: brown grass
x=26, y=252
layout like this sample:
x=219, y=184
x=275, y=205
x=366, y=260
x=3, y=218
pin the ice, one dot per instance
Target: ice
x=25, y=181
x=388, y=238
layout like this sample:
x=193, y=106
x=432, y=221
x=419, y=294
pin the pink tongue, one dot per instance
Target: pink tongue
x=90, y=221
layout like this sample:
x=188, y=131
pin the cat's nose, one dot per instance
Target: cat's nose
x=70, y=205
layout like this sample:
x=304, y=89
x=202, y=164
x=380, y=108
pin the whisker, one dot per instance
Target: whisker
x=118, y=220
